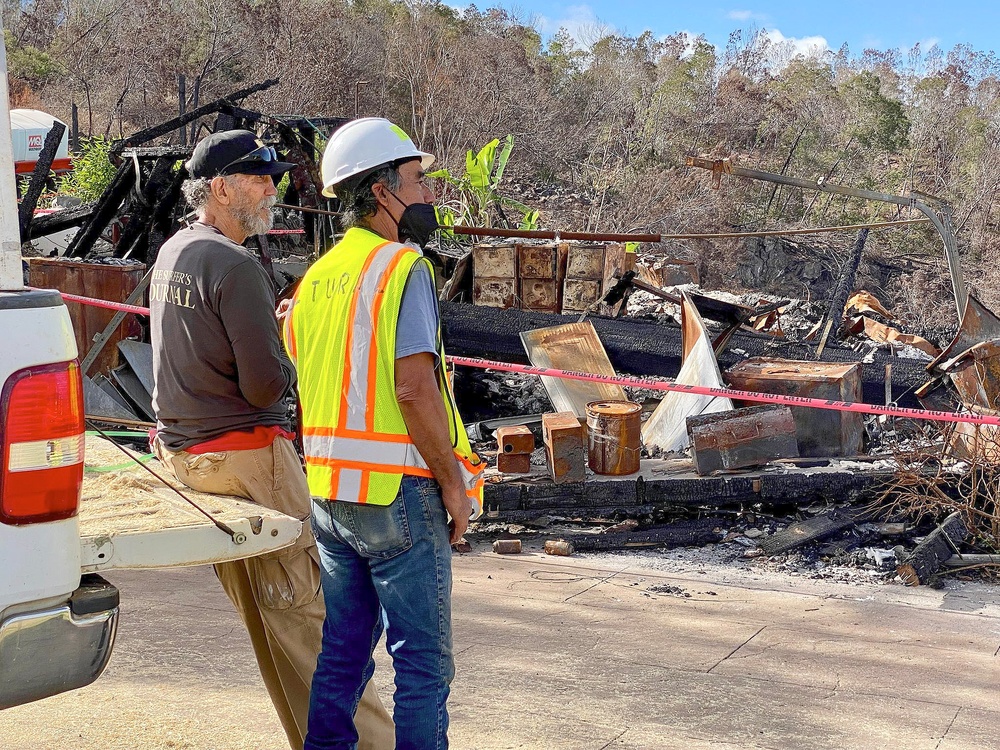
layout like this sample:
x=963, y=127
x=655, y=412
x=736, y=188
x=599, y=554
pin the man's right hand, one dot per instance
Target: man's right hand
x=459, y=507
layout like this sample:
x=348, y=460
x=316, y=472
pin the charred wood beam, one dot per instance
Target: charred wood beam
x=144, y=153
x=104, y=211
x=141, y=214
x=636, y=496
x=57, y=221
x=920, y=565
x=39, y=176
x=162, y=225
x=644, y=347
x=966, y=561
x=679, y=534
x=144, y=136
x=812, y=529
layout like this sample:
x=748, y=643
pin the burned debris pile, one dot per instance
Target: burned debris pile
x=689, y=425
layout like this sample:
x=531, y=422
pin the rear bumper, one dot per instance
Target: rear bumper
x=58, y=648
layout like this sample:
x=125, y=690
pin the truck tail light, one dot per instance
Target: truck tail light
x=42, y=434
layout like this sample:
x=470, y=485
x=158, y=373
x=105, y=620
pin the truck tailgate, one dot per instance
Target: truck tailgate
x=129, y=519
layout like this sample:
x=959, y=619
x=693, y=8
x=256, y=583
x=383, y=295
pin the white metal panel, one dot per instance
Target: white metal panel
x=131, y=519
x=35, y=336
x=10, y=234
x=184, y=537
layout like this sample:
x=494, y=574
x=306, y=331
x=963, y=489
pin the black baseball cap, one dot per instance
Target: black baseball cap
x=234, y=152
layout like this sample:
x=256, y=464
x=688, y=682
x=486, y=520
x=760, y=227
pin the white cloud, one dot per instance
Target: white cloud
x=784, y=49
x=745, y=15
x=581, y=23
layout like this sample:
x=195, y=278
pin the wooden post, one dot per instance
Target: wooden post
x=181, y=105
x=74, y=133
x=194, y=104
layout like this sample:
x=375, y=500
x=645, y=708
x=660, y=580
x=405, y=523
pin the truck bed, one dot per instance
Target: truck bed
x=129, y=519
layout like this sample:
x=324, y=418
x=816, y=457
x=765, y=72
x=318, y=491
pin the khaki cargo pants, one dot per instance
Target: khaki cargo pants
x=278, y=595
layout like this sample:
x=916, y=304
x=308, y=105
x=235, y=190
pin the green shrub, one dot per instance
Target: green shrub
x=92, y=171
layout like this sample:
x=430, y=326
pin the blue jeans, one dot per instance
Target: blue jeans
x=384, y=567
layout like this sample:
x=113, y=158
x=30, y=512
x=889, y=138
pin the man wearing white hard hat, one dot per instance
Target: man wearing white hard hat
x=391, y=474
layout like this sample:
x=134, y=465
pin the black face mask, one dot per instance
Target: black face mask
x=417, y=223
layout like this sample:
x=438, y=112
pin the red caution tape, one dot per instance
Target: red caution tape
x=120, y=306
x=658, y=384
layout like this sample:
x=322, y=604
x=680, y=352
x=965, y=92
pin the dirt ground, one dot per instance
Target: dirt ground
x=589, y=652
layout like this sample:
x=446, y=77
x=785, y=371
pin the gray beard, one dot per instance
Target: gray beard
x=249, y=218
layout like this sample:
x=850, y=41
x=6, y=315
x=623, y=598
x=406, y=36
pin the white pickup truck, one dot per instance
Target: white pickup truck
x=58, y=617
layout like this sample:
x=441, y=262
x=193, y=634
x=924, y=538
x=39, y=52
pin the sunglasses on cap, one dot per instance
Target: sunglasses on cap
x=263, y=154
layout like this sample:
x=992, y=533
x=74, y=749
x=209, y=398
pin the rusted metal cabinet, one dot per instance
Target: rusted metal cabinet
x=494, y=274
x=538, y=271
x=113, y=283
x=820, y=432
x=584, y=276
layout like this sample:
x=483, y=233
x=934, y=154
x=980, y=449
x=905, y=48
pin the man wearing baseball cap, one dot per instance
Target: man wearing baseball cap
x=221, y=387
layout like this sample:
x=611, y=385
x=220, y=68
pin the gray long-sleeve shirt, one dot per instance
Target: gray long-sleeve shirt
x=218, y=363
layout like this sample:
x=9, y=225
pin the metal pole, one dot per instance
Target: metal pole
x=11, y=275
x=724, y=166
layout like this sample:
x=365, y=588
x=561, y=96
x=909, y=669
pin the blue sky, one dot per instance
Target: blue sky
x=871, y=24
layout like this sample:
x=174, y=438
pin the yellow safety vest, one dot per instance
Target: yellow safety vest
x=341, y=334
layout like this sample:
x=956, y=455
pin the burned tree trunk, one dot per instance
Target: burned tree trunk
x=845, y=284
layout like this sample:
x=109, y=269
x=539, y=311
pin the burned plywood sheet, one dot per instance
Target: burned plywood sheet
x=820, y=432
x=920, y=565
x=666, y=428
x=577, y=348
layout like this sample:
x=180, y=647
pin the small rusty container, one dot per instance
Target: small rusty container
x=613, y=429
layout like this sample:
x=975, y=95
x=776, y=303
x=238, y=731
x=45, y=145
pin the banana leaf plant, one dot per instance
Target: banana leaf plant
x=474, y=198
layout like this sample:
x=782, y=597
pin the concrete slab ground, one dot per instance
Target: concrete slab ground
x=582, y=653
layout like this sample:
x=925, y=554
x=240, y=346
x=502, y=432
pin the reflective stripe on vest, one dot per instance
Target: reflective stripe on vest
x=355, y=440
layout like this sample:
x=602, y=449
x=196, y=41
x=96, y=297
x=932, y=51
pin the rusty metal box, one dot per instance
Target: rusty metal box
x=494, y=292
x=580, y=294
x=539, y=294
x=536, y=261
x=585, y=262
x=103, y=281
x=565, y=446
x=494, y=261
x=514, y=463
x=515, y=439
x=820, y=432
x=742, y=437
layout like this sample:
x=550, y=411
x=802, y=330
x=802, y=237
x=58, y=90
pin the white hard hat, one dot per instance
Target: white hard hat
x=364, y=144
